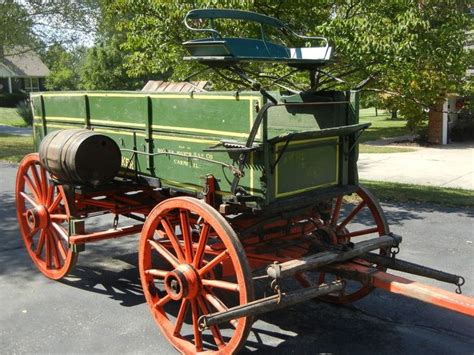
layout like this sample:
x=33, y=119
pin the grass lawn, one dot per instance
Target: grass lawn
x=382, y=126
x=9, y=117
x=14, y=148
x=391, y=191
x=365, y=148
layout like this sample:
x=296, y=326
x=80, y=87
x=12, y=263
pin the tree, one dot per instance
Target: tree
x=103, y=69
x=35, y=24
x=64, y=67
x=412, y=49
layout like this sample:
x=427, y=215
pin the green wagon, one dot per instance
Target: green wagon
x=230, y=192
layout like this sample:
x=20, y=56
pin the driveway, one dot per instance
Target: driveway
x=100, y=308
x=19, y=131
x=447, y=166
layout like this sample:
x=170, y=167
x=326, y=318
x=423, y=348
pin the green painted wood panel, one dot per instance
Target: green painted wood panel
x=223, y=116
x=304, y=165
x=176, y=129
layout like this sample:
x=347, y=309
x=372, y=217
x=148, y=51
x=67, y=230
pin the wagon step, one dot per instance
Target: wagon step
x=292, y=267
x=269, y=304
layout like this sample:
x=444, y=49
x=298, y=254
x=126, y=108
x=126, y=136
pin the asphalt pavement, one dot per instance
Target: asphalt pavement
x=18, y=131
x=100, y=307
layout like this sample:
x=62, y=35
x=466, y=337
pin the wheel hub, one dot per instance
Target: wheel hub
x=37, y=217
x=183, y=282
x=328, y=235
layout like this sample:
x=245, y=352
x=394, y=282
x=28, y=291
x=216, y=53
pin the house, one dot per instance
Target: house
x=21, y=70
x=444, y=117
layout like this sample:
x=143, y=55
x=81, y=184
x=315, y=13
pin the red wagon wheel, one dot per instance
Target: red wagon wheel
x=43, y=216
x=191, y=264
x=357, y=218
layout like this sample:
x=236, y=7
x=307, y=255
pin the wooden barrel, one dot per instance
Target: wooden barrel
x=80, y=156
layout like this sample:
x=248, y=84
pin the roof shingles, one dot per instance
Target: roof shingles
x=24, y=63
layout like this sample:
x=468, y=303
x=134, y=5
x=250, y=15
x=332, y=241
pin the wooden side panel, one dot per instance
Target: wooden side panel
x=169, y=130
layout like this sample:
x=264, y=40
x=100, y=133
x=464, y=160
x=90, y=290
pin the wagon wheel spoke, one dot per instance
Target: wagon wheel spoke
x=32, y=233
x=216, y=333
x=39, y=247
x=337, y=210
x=203, y=237
x=54, y=250
x=33, y=188
x=55, y=204
x=44, y=183
x=351, y=215
x=156, y=273
x=164, y=253
x=225, y=285
x=213, y=263
x=185, y=232
x=214, y=301
x=29, y=199
x=362, y=232
x=197, y=332
x=183, y=309
x=47, y=250
x=163, y=301
x=58, y=217
x=173, y=239
x=50, y=195
x=38, y=183
x=58, y=238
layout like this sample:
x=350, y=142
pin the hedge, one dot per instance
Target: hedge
x=12, y=100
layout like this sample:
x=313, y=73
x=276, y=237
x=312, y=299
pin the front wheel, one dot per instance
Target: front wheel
x=43, y=216
x=192, y=264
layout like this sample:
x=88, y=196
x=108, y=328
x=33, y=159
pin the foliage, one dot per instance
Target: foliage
x=413, y=50
x=103, y=69
x=463, y=131
x=154, y=31
x=24, y=111
x=64, y=67
x=36, y=24
x=11, y=100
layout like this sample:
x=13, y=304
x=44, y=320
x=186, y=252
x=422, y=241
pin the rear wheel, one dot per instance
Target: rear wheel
x=191, y=264
x=43, y=216
x=353, y=218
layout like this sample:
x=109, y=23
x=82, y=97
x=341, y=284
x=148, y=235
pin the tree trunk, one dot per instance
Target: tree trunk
x=394, y=114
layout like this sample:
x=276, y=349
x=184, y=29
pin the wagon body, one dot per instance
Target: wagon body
x=170, y=137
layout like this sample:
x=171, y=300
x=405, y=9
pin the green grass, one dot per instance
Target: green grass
x=9, y=117
x=14, y=148
x=391, y=191
x=365, y=148
x=382, y=126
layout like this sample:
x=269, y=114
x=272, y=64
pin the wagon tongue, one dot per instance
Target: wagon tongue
x=347, y=264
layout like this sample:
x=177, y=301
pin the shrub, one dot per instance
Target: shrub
x=11, y=100
x=463, y=131
x=24, y=110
